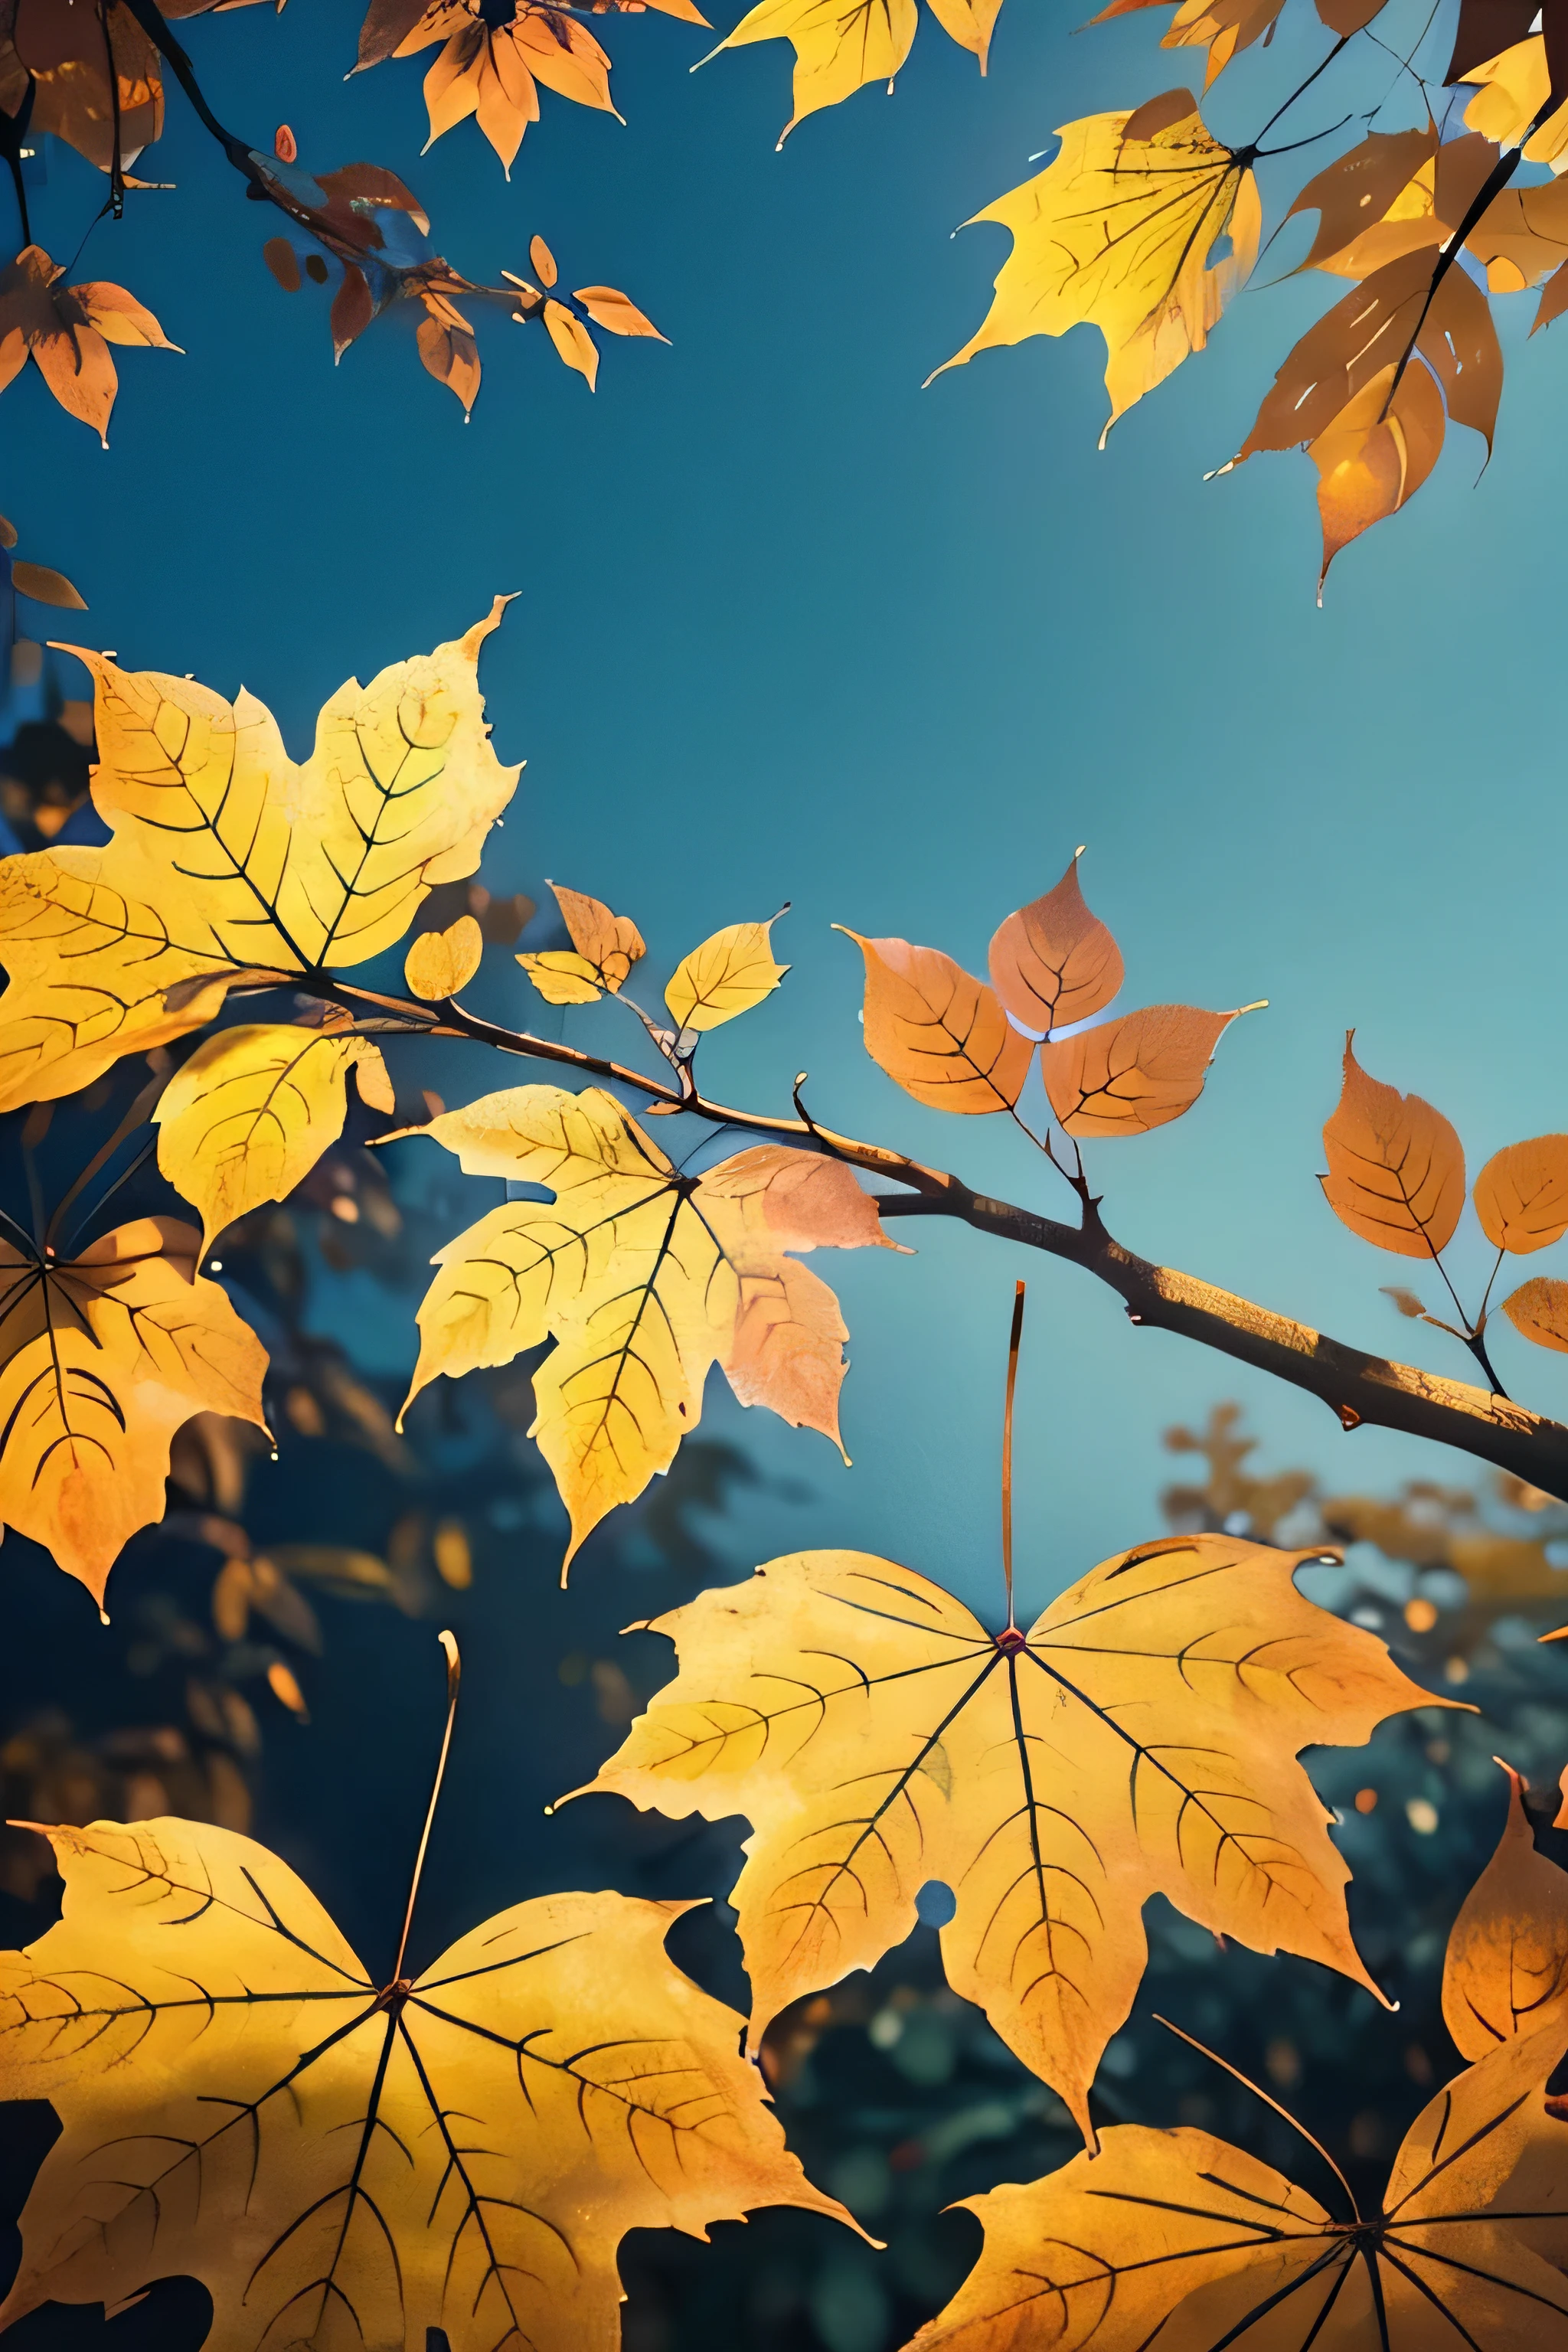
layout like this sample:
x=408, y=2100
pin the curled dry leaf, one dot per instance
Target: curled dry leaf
x=1129, y=1077
x=1505, y=1971
x=1118, y=233
x=944, y=1036
x=66, y=331
x=241, y=2102
x=441, y=963
x=1396, y=1167
x=644, y=1279
x=1539, y=1308
x=1521, y=1195
x=251, y=1112
x=227, y=857
x=103, y=1356
x=1142, y=1738
x=1176, y=2238
x=727, y=975
x=1053, y=963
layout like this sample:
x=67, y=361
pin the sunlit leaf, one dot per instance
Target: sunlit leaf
x=1127, y=1076
x=839, y=47
x=66, y=331
x=1505, y=1971
x=1053, y=963
x=1539, y=1308
x=727, y=975
x=942, y=1035
x=1522, y=1194
x=441, y=963
x=1396, y=1167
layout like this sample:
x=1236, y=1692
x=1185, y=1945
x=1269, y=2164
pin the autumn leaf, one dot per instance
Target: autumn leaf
x=1539, y=1308
x=1513, y=87
x=643, y=1278
x=944, y=1036
x=1369, y=389
x=615, y=312
x=66, y=330
x=1224, y=27
x=1175, y=2237
x=838, y=48
x=1505, y=1971
x=242, y=2102
x=1129, y=1077
x=1521, y=1195
x=441, y=963
x=729, y=974
x=603, y=949
x=1053, y=963
x=248, y=1116
x=574, y=345
x=104, y=1354
x=228, y=857
x=1396, y=1167
x=1141, y=1739
x=1117, y=234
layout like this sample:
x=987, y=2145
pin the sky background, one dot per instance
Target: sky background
x=789, y=627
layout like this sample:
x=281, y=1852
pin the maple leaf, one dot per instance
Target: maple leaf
x=341, y=2160
x=1177, y=2237
x=1396, y=1167
x=1369, y=390
x=1506, y=1968
x=643, y=1278
x=1140, y=1738
x=103, y=1355
x=603, y=949
x=248, y=1116
x=1117, y=234
x=227, y=857
x=840, y=49
x=66, y=330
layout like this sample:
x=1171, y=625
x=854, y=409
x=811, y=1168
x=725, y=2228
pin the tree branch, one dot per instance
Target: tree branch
x=1357, y=1387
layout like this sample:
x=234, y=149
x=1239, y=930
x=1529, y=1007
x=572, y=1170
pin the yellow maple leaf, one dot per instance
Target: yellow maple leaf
x=1175, y=2237
x=1117, y=233
x=643, y=1278
x=228, y=857
x=103, y=1356
x=341, y=2161
x=251, y=1112
x=1141, y=1739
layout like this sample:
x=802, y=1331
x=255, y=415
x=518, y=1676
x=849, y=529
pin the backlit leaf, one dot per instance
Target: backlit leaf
x=839, y=47
x=66, y=331
x=250, y=1113
x=644, y=1279
x=1053, y=963
x=970, y=23
x=727, y=975
x=942, y=1035
x=574, y=345
x=1117, y=234
x=1127, y=1076
x=340, y=2163
x=610, y=944
x=1174, y=2238
x=615, y=312
x=1396, y=1167
x=1505, y=1971
x=103, y=1356
x=1522, y=1194
x=563, y=977
x=1142, y=1739
x=1539, y=1308
x=441, y=963
x=228, y=857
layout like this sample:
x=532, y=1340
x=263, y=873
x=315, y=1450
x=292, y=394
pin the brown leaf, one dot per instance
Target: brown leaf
x=1485, y=29
x=1396, y=1167
x=66, y=330
x=944, y=1036
x=46, y=586
x=1507, y=1963
x=352, y=309
x=452, y=357
x=1053, y=963
x=1129, y=1077
x=283, y=262
x=1539, y=1308
x=388, y=24
x=1352, y=197
x=372, y=183
x=1521, y=1195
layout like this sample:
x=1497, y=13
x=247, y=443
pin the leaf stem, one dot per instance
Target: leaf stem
x=454, y=1676
x=1248, y=2085
x=1013, y=1346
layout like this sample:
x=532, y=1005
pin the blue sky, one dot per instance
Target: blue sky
x=790, y=628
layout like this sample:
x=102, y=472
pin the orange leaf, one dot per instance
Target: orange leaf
x=283, y=262
x=544, y=261
x=611, y=311
x=1396, y=1167
x=1521, y=1195
x=572, y=339
x=1053, y=962
x=1539, y=1308
x=352, y=309
x=1127, y=1076
x=452, y=357
x=942, y=1035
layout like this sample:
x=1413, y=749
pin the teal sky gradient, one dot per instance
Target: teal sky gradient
x=790, y=628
